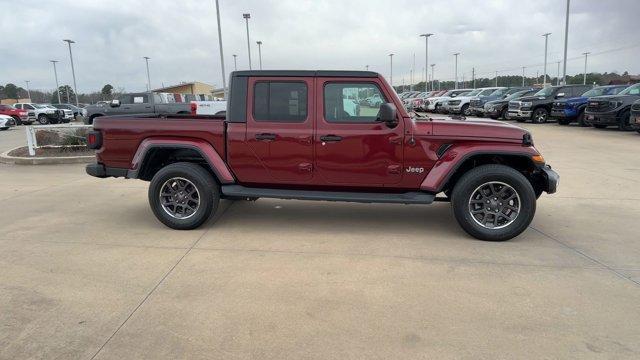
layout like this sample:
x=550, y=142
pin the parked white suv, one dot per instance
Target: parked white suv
x=436, y=103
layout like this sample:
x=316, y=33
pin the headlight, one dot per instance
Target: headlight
x=526, y=104
x=489, y=108
x=615, y=104
x=50, y=111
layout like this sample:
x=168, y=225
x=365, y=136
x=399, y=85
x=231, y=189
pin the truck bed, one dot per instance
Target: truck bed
x=122, y=135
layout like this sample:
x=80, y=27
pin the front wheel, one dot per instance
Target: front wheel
x=624, y=123
x=43, y=119
x=183, y=195
x=539, y=116
x=465, y=110
x=18, y=120
x=493, y=202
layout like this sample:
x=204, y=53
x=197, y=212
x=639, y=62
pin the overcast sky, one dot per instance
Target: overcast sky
x=181, y=38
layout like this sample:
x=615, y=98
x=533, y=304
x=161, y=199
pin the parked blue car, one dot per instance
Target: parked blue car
x=571, y=109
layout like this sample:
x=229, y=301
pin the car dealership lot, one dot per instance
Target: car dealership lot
x=87, y=270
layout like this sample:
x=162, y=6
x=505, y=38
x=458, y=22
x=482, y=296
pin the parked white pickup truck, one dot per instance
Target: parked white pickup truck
x=215, y=107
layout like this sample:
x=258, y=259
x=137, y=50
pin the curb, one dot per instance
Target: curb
x=39, y=160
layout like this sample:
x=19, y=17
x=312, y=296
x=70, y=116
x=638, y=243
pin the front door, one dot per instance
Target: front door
x=280, y=130
x=352, y=148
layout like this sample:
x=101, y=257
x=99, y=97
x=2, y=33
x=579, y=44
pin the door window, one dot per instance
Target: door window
x=352, y=102
x=280, y=101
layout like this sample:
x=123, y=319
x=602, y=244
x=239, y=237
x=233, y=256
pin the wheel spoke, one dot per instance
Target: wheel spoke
x=494, y=205
x=179, y=198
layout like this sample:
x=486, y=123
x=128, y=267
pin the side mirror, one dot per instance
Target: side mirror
x=560, y=95
x=114, y=103
x=387, y=114
x=453, y=95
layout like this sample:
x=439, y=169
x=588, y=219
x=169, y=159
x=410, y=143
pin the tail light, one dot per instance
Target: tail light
x=94, y=140
x=194, y=108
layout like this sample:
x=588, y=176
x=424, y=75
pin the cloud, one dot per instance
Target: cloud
x=181, y=38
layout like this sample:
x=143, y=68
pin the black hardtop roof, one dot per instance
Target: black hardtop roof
x=306, y=73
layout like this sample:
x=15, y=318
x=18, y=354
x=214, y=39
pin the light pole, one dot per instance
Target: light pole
x=73, y=71
x=455, y=86
x=496, y=78
x=246, y=18
x=28, y=91
x=55, y=73
x=558, y=77
x=546, y=41
x=260, y=52
x=426, y=53
x=224, y=78
x=391, y=69
x=366, y=67
x=523, y=76
x=146, y=60
x=473, y=77
x=566, y=42
x=584, y=77
x=235, y=62
x=432, y=77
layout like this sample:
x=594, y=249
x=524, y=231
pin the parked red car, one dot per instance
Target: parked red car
x=304, y=135
x=18, y=115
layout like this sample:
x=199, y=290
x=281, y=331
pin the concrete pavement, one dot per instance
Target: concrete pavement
x=87, y=272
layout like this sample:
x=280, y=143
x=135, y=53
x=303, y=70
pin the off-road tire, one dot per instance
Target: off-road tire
x=207, y=188
x=476, y=177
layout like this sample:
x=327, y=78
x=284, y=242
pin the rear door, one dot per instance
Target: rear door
x=280, y=129
x=351, y=147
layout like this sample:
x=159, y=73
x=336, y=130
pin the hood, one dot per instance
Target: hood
x=476, y=128
x=530, y=98
x=500, y=101
x=614, y=97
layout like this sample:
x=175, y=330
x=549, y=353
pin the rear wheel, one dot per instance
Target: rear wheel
x=540, y=115
x=493, y=202
x=183, y=195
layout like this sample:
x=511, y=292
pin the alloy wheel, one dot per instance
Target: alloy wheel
x=179, y=198
x=494, y=205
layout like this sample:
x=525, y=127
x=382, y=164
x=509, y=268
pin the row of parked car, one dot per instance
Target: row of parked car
x=43, y=114
x=599, y=106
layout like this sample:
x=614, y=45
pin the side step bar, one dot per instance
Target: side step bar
x=402, y=198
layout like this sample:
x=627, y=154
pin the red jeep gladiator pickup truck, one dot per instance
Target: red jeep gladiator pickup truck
x=312, y=135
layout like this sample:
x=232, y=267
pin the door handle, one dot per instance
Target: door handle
x=266, y=137
x=330, y=138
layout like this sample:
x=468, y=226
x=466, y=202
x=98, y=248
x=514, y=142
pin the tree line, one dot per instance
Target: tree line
x=67, y=95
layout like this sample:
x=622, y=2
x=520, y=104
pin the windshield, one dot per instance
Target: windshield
x=545, y=92
x=595, y=92
x=472, y=93
x=631, y=90
x=499, y=92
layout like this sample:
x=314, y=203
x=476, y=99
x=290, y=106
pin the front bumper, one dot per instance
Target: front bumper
x=100, y=171
x=550, y=179
x=519, y=114
x=476, y=110
x=609, y=118
x=563, y=114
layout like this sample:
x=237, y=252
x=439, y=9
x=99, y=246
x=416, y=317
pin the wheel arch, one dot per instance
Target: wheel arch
x=154, y=154
x=450, y=172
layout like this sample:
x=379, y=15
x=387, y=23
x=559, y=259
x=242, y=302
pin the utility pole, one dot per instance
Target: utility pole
x=391, y=69
x=566, y=42
x=473, y=76
x=523, y=76
x=584, y=77
x=260, y=52
x=224, y=77
x=73, y=71
x=546, y=41
x=55, y=73
x=235, y=62
x=28, y=91
x=146, y=59
x=455, y=86
x=432, y=78
x=426, y=54
x=246, y=18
